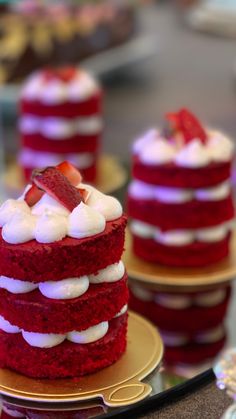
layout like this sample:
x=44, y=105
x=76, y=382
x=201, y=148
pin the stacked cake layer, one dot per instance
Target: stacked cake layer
x=191, y=324
x=63, y=296
x=61, y=118
x=180, y=198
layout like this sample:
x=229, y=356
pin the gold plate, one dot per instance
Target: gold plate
x=111, y=176
x=161, y=277
x=118, y=385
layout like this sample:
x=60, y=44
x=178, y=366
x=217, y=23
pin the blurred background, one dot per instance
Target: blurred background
x=150, y=57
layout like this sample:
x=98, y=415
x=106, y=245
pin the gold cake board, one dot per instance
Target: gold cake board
x=118, y=385
x=160, y=277
x=111, y=176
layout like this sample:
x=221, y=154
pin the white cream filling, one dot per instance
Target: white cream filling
x=33, y=158
x=180, y=301
x=66, y=288
x=49, y=221
x=12, y=413
x=7, y=327
x=122, y=311
x=179, y=339
x=180, y=237
x=59, y=128
x=54, y=91
x=142, y=293
x=89, y=335
x=145, y=191
x=153, y=149
x=112, y=273
x=49, y=340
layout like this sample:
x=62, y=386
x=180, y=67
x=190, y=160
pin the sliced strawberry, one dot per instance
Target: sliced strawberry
x=33, y=195
x=173, y=119
x=186, y=123
x=63, y=73
x=191, y=127
x=53, y=182
x=84, y=193
x=70, y=171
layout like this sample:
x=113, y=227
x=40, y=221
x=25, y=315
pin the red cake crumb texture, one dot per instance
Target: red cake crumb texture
x=60, y=118
x=55, y=269
x=191, y=324
x=180, y=199
x=67, y=359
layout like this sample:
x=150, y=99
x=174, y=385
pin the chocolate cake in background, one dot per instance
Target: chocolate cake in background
x=33, y=34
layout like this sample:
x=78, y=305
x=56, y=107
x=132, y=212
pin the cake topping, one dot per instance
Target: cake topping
x=50, y=227
x=188, y=125
x=51, y=89
x=85, y=221
x=20, y=228
x=158, y=152
x=194, y=154
x=53, y=208
x=220, y=148
x=185, y=142
x=64, y=74
x=53, y=182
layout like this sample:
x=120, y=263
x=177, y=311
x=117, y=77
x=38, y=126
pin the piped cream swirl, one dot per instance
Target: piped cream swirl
x=49, y=221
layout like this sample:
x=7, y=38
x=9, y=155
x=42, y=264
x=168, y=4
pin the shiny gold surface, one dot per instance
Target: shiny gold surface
x=118, y=385
x=163, y=277
x=111, y=176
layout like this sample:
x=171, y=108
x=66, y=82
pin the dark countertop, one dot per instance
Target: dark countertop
x=208, y=402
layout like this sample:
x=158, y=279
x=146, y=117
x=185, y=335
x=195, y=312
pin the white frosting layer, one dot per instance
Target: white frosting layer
x=144, y=191
x=55, y=91
x=112, y=273
x=33, y=158
x=106, y=205
x=54, y=128
x=142, y=293
x=49, y=221
x=180, y=237
x=153, y=149
x=90, y=335
x=43, y=340
x=12, y=413
x=180, y=301
x=220, y=148
x=8, y=327
x=66, y=288
x=122, y=311
x=158, y=152
x=178, y=339
x=91, y=222
x=49, y=340
x=194, y=154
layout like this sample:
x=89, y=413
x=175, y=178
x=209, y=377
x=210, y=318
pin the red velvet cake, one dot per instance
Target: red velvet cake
x=61, y=118
x=56, y=270
x=191, y=324
x=180, y=199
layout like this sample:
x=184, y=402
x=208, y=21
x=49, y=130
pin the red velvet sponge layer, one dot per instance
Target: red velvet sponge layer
x=180, y=177
x=194, y=214
x=76, y=144
x=89, y=175
x=193, y=353
x=68, y=258
x=91, y=106
x=189, y=320
x=100, y=303
x=192, y=255
x=67, y=359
